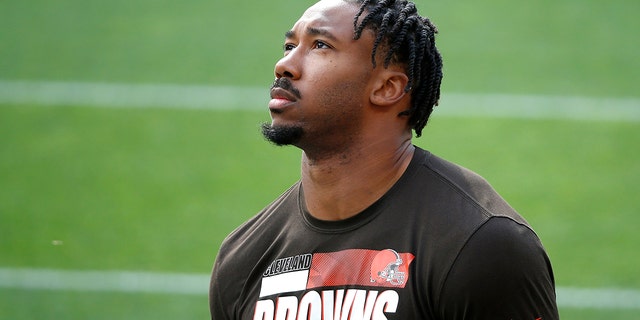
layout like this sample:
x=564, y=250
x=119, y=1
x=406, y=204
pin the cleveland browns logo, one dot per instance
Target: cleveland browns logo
x=387, y=267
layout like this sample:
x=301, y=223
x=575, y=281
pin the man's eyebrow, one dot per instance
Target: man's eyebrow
x=290, y=34
x=313, y=32
x=321, y=32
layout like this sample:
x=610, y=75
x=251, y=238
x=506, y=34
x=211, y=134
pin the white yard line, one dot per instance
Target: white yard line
x=127, y=95
x=197, y=284
x=103, y=281
x=598, y=298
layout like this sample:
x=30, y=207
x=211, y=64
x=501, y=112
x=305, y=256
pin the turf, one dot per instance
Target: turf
x=158, y=189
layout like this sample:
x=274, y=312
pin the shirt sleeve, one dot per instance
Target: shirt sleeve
x=502, y=272
x=217, y=306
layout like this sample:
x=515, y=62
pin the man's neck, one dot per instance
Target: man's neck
x=342, y=186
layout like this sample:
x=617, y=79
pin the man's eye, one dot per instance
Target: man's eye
x=289, y=47
x=322, y=45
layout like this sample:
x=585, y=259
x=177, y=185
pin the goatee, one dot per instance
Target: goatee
x=282, y=135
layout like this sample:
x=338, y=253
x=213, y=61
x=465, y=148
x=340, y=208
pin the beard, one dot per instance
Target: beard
x=282, y=135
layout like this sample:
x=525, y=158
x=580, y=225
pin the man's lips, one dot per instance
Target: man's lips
x=280, y=98
x=279, y=93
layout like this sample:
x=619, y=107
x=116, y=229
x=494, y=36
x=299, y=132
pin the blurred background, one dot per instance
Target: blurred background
x=130, y=144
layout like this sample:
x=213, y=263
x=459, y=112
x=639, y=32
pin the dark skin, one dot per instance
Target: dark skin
x=355, y=145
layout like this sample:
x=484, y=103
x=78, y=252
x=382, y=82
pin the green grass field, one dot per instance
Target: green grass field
x=157, y=189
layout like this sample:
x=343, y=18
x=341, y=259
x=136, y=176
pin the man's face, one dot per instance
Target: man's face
x=322, y=81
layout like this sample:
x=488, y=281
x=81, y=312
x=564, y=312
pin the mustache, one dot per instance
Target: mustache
x=285, y=83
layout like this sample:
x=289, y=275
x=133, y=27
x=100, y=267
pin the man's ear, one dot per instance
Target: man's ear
x=389, y=88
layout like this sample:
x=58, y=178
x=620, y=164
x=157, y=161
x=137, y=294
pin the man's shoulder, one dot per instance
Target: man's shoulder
x=454, y=174
x=256, y=228
x=468, y=186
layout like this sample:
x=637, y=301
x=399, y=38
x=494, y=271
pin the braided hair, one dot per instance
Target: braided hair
x=410, y=41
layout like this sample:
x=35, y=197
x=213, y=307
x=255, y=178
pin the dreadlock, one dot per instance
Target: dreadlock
x=410, y=41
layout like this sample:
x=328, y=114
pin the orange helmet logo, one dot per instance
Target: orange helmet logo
x=386, y=268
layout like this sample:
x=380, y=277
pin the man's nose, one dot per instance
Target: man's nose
x=288, y=66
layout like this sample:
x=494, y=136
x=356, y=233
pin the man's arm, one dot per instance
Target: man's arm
x=502, y=272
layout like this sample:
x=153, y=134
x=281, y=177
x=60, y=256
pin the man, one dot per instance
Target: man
x=376, y=228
